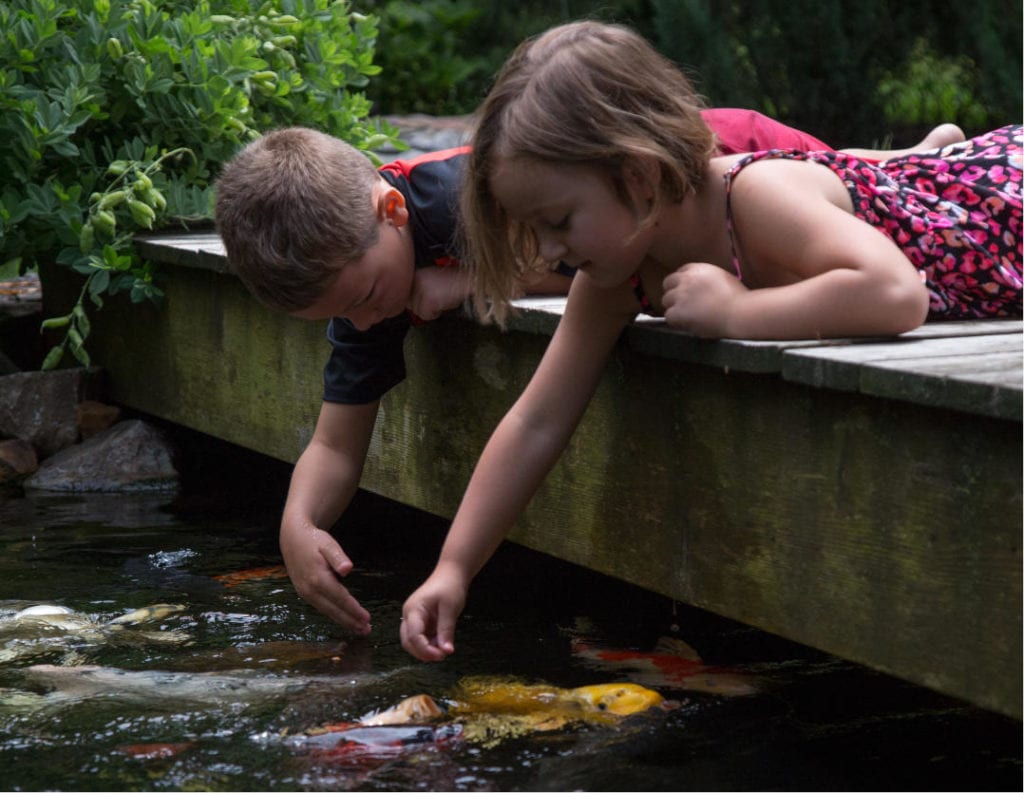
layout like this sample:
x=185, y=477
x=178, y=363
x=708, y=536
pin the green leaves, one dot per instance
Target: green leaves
x=116, y=116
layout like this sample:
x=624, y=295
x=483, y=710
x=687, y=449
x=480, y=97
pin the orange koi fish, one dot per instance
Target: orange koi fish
x=672, y=664
x=253, y=574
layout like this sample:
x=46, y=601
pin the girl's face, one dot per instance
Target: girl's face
x=576, y=215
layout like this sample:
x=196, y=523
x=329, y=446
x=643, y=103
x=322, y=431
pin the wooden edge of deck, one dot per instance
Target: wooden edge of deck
x=915, y=366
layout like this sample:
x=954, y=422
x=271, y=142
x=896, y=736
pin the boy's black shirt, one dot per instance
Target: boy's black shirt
x=364, y=365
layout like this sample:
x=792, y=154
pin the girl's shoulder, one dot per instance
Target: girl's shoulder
x=774, y=174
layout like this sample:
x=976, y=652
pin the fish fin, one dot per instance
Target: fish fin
x=723, y=684
x=670, y=645
x=412, y=710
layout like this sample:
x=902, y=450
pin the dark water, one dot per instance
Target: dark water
x=818, y=724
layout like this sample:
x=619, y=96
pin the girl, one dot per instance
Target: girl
x=590, y=150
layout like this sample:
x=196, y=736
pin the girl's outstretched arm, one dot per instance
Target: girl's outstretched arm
x=811, y=268
x=516, y=460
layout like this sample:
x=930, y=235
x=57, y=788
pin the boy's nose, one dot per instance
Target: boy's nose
x=364, y=319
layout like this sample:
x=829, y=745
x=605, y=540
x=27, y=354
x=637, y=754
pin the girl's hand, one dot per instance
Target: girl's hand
x=436, y=290
x=429, y=615
x=316, y=563
x=699, y=298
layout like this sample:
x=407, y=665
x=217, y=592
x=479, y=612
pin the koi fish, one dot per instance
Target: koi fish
x=485, y=711
x=672, y=664
x=70, y=684
x=154, y=751
x=359, y=745
x=45, y=629
x=548, y=705
x=253, y=574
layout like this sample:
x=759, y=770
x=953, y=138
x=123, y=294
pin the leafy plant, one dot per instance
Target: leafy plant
x=117, y=114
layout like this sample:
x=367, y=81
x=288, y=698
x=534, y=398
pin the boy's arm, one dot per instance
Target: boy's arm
x=325, y=478
x=438, y=289
x=516, y=460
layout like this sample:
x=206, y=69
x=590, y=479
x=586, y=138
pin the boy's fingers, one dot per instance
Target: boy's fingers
x=336, y=559
x=333, y=600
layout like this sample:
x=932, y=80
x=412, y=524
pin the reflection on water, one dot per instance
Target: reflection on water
x=88, y=705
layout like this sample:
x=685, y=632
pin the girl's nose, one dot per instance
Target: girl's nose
x=551, y=248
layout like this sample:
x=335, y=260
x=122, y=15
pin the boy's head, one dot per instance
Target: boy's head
x=293, y=208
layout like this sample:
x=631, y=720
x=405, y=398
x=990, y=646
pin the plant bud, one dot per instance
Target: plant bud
x=86, y=238
x=105, y=221
x=111, y=200
x=142, y=214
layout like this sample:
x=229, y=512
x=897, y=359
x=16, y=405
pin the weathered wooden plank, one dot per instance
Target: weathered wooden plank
x=187, y=249
x=977, y=374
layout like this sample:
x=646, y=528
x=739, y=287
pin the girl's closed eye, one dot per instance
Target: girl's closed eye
x=561, y=225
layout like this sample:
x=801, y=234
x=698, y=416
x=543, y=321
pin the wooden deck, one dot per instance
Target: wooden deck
x=860, y=497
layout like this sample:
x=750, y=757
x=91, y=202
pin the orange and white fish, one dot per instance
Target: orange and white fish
x=672, y=664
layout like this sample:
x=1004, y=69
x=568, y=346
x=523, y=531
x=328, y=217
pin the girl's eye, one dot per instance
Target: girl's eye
x=561, y=225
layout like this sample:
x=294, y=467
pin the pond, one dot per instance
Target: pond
x=218, y=694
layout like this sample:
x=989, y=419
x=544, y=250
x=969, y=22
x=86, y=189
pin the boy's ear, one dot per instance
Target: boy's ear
x=391, y=206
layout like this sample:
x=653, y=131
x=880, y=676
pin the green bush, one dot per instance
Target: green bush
x=854, y=74
x=440, y=56
x=116, y=116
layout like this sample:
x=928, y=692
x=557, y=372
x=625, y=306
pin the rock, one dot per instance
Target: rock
x=7, y=366
x=130, y=456
x=425, y=134
x=39, y=407
x=94, y=417
x=17, y=459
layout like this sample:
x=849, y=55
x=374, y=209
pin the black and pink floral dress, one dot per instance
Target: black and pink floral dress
x=954, y=212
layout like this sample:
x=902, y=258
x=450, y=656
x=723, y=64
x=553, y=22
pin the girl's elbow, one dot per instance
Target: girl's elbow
x=908, y=306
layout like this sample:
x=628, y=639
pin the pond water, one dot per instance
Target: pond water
x=210, y=714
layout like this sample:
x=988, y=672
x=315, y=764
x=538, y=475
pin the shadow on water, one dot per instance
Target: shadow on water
x=210, y=713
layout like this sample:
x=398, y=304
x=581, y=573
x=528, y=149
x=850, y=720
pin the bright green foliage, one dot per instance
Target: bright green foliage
x=116, y=116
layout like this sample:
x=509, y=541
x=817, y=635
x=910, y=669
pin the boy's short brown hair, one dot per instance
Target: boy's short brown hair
x=292, y=208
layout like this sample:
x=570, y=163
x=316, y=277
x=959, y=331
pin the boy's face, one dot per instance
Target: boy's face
x=378, y=285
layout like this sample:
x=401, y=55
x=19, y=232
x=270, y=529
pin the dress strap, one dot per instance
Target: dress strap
x=641, y=295
x=730, y=227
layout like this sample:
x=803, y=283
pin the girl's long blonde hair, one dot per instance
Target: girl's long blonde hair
x=582, y=93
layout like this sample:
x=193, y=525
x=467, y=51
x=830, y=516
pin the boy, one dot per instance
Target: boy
x=313, y=229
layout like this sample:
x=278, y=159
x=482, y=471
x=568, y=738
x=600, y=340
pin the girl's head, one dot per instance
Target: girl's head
x=584, y=93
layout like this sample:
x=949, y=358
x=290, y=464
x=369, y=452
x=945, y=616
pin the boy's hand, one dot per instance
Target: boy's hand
x=315, y=562
x=699, y=298
x=429, y=615
x=436, y=290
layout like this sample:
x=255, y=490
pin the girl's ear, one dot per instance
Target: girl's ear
x=391, y=206
x=642, y=176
